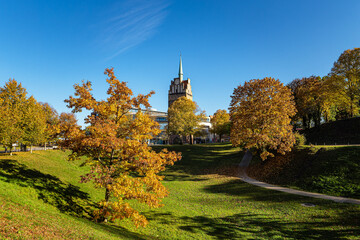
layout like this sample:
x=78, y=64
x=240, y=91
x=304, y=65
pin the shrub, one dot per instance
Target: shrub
x=299, y=139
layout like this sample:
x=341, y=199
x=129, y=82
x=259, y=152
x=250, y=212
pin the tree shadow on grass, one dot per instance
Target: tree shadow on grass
x=181, y=177
x=66, y=197
x=120, y=232
x=253, y=226
x=205, y=159
x=236, y=187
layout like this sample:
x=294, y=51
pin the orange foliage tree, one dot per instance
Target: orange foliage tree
x=261, y=112
x=52, y=123
x=115, y=144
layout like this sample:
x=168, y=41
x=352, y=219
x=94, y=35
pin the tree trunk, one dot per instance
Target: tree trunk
x=30, y=149
x=45, y=146
x=107, y=195
x=220, y=137
x=107, y=198
x=304, y=122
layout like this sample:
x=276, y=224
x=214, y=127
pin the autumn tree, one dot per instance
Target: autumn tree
x=13, y=104
x=34, y=123
x=52, y=123
x=260, y=112
x=184, y=118
x=335, y=104
x=310, y=98
x=68, y=131
x=115, y=144
x=346, y=71
x=220, y=123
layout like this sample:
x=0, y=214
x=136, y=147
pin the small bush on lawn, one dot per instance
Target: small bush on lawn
x=299, y=139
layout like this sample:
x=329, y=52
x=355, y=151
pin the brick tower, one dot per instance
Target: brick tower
x=179, y=87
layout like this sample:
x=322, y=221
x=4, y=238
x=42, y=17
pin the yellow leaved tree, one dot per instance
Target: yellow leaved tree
x=346, y=72
x=115, y=144
x=220, y=123
x=260, y=112
x=13, y=102
x=184, y=118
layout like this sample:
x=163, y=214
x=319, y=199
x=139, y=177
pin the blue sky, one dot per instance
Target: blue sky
x=49, y=46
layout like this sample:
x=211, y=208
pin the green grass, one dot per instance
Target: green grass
x=338, y=132
x=206, y=201
x=324, y=169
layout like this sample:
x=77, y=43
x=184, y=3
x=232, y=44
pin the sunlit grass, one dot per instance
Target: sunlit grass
x=206, y=201
x=332, y=170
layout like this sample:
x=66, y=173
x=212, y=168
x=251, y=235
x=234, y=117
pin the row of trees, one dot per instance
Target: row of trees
x=25, y=121
x=332, y=97
x=264, y=111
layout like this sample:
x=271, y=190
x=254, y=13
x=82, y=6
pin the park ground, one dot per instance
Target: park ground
x=41, y=198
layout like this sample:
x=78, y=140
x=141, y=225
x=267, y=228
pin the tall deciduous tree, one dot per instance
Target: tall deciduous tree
x=220, y=123
x=34, y=124
x=347, y=72
x=13, y=104
x=260, y=112
x=184, y=118
x=115, y=144
x=310, y=98
x=68, y=131
x=52, y=123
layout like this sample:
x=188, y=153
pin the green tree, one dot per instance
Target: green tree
x=220, y=123
x=115, y=144
x=184, y=118
x=260, y=112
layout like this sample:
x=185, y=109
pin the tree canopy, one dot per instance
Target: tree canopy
x=346, y=71
x=115, y=144
x=220, y=123
x=34, y=123
x=184, y=117
x=261, y=112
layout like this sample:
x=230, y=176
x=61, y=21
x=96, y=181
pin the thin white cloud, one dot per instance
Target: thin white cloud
x=131, y=23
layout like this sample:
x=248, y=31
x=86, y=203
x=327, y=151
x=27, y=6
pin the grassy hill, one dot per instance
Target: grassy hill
x=41, y=198
x=340, y=132
x=330, y=170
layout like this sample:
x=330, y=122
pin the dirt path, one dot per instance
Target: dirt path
x=244, y=177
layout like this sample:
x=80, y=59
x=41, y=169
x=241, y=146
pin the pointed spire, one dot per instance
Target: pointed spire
x=180, y=70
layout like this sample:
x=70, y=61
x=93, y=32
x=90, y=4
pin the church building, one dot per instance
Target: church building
x=179, y=87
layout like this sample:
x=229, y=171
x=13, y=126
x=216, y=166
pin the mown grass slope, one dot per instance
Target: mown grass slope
x=324, y=169
x=339, y=132
x=41, y=198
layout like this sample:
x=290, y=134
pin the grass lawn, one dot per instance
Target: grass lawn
x=41, y=197
x=324, y=169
